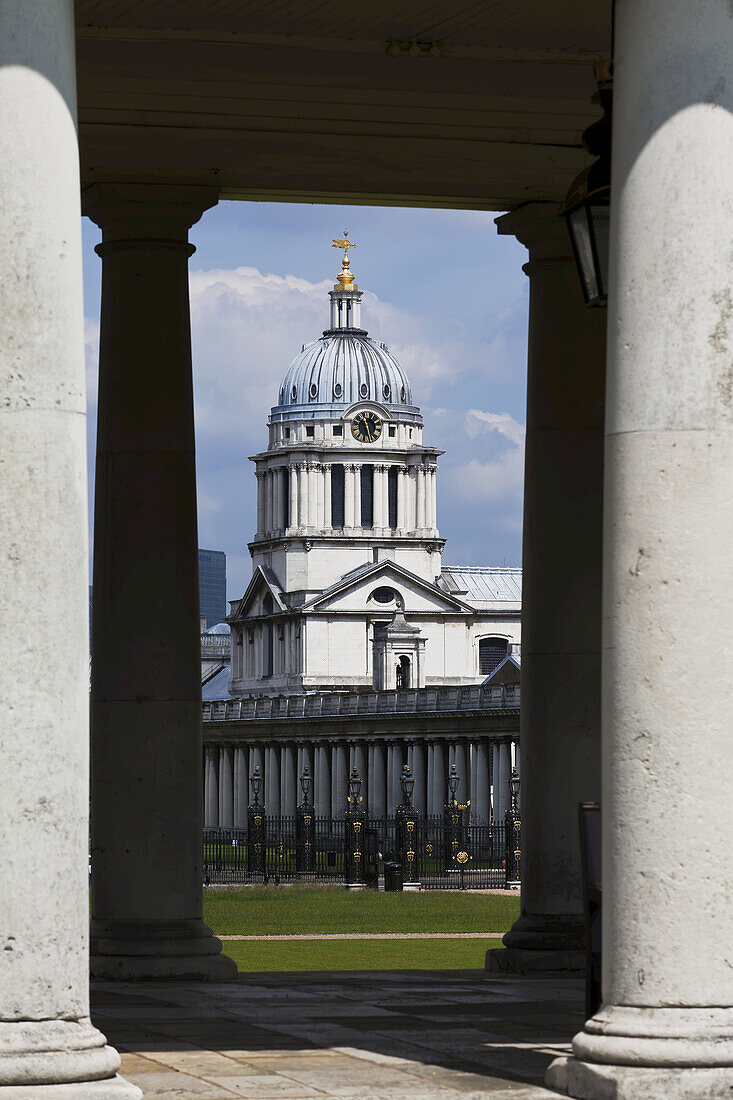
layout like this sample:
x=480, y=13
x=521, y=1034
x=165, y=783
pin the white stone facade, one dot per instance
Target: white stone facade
x=347, y=535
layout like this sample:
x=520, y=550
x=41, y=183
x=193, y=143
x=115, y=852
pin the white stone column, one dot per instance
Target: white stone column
x=349, y=495
x=561, y=601
x=377, y=782
x=322, y=784
x=303, y=502
x=313, y=494
x=402, y=487
x=502, y=798
x=394, y=770
x=666, y=1025
x=320, y=497
x=339, y=778
x=260, y=475
x=293, y=516
x=146, y=670
x=211, y=787
x=482, y=797
x=45, y=1033
x=378, y=497
x=241, y=786
x=357, y=495
x=420, y=521
x=272, y=779
x=440, y=773
x=226, y=786
x=433, y=497
x=267, y=503
x=289, y=792
x=419, y=770
x=327, y=517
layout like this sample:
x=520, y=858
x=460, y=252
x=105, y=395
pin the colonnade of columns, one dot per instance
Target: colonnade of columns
x=298, y=497
x=484, y=767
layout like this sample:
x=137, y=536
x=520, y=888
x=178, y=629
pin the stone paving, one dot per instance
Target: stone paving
x=377, y=1035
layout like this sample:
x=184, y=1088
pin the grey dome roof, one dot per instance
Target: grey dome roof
x=340, y=369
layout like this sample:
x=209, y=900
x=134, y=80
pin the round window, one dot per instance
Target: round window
x=363, y=389
x=338, y=389
x=387, y=392
x=294, y=393
x=313, y=391
x=384, y=595
x=403, y=394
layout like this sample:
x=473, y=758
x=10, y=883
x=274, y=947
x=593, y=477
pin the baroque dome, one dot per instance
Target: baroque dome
x=341, y=369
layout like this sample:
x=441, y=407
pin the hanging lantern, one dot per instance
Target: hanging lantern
x=407, y=782
x=306, y=782
x=587, y=203
x=514, y=788
x=453, y=780
x=256, y=783
x=354, y=786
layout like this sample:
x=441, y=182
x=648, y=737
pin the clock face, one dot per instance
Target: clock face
x=366, y=427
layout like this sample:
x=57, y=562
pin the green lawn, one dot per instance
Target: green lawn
x=272, y=910
x=359, y=954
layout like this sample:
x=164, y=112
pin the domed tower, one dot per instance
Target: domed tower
x=346, y=480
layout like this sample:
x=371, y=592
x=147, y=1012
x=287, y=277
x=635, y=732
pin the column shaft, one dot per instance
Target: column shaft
x=377, y=782
x=378, y=497
x=419, y=770
x=322, y=764
x=420, y=494
x=303, y=501
x=146, y=675
x=272, y=780
x=561, y=599
x=226, y=786
x=667, y=857
x=327, y=517
x=349, y=497
x=439, y=778
x=294, y=497
x=241, y=786
x=482, y=797
x=289, y=793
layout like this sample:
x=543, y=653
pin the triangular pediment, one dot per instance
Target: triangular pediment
x=263, y=582
x=356, y=592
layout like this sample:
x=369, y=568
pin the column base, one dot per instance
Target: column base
x=541, y=944
x=182, y=950
x=625, y=1053
x=59, y=1059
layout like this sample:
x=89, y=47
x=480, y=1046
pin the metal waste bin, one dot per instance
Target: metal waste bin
x=392, y=875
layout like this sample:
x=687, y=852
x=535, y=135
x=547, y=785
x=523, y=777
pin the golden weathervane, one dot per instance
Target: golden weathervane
x=345, y=277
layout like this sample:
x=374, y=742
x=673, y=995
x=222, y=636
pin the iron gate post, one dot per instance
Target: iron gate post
x=256, y=850
x=305, y=829
x=354, y=853
x=455, y=821
x=408, y=827
x=513, y=837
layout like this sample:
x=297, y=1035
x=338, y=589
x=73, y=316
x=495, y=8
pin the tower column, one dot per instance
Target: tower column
x=357, y=494
x=349, y=495
x=433, y=484
x=327, y=518
x=226, y=786
x=294, y=496
x=146, y=670
x=260, y=475
x=420, y=497
x=303, y=501
x=276, y=499
x=402, y=486
x=320, y=498
x=561, y=600
x=378, y=497
x=312, y=483
x=241, y=786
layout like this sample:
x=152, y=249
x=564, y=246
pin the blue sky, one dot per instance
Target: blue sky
x=441, y=288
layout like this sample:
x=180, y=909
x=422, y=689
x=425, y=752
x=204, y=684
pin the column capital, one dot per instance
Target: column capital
x=539, y=227
x=146, y=211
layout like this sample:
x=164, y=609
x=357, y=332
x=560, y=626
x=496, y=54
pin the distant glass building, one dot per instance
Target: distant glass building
x=212, y=586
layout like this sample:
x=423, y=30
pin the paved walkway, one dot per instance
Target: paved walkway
x=378, y=1035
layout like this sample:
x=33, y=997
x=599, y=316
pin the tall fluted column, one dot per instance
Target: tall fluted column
x=241, y=786
x=268, y=501
x=420, y=492
x=45, y=1033
x=327, y=517
x=272, y=779
x=378, y=497
x=377, y=781
x=146, y=674
x=226, y=786
x=294, y=496
x=666, y=1025
x=482, y=798
x=419, y=770
x=357, y=495
x=211, y=787
x=312, y=494
x=349, y=495
x=260, y=502
x=320, y=520
x=339, y=778
x=561, y=600
x=440, y=773
x=277, y=482
x=322, y=785
x=459, y=757
x=402, y=487
x=432, y=497
x=303, y=502
x=289, y=794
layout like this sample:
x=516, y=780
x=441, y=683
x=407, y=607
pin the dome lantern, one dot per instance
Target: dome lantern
x=345, y=296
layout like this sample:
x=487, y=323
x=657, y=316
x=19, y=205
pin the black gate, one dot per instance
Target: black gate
x=282, y=848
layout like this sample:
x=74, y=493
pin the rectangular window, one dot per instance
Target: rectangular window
x=367, y=496
x=392, y=431
x=338, y=429
x=287, y=433
x=337, y=496
x=309, y=431
x=392, y=491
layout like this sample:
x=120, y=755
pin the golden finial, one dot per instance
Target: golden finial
x=345, y=277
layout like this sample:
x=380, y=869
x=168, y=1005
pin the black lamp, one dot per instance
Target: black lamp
x=256, y=783
x=587, y=203
x=354, y=786
x=514, y=787
x=453, y=780
x=306, y=782
x=407, y=781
